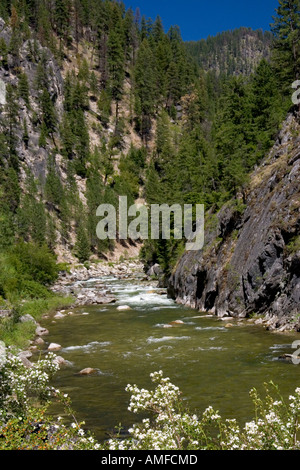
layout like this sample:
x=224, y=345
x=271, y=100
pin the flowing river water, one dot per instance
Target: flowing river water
x=213, y=363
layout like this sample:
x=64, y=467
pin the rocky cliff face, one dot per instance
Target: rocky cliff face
x=250, y=264
x=39, y=65
x=33, y=155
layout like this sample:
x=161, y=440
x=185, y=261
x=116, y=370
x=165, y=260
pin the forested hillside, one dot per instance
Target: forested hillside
x=232, y=52
x=250, y=262
x=98, y=101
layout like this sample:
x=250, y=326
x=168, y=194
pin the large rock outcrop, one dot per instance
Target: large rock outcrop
x=30, y=54
x=250, y=264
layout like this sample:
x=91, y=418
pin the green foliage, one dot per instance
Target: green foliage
x=286, y=51
x=54, y=191
x=82, y=247
x=49, y=119
x=3, y=53
x=116, y=64
x=294, y=245
x=225, y=52
x=172, y=427
x=18, y=334
x=35, y=262
x=145, y=89
x=23, y=87
x=25, y=398
x=104, y=106
x=31, y=216
x=26, y=423
x=209, y=129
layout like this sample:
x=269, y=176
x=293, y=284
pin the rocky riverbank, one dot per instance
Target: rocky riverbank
x=74, y=281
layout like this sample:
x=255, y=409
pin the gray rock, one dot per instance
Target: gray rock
x=60, y=361
x=40, y=331
x=26, y=362
x=26, y=354
x=2, y=92
x=27, y=318
x=54, y=347
x=155, y=270
x=39, y=341
x=245, y=266
x=59, y=315
x=88, y=371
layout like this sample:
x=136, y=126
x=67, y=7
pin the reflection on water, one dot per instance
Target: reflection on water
x=212, y=363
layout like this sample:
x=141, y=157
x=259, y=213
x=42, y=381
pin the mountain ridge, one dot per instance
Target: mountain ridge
x=231, y=52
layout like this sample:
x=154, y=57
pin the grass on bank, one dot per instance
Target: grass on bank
x=27, y=271
x=15, y=333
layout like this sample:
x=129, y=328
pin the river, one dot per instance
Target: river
x=213, y=362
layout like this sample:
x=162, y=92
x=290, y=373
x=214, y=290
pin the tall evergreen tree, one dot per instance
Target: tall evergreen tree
x=24, y=88
x=49, y=118
x=145, y=86
x=286, y=52
x=116, y=66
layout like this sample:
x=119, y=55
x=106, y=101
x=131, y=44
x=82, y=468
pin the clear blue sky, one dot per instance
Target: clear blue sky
x=198, y=19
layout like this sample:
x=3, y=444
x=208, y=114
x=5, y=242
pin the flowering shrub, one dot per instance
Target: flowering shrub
x=19, y=385
x=172, y=428
x=24, y=422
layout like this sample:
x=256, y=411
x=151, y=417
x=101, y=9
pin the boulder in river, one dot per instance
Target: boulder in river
x=59, y=315
x=176, y=323
x=39, y=340
x=88, y=371
x=54, y=347
x=60, y=361
x=90, y=297
x=123, y=307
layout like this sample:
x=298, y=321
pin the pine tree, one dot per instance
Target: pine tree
x=5, y=9
x=3, y=54
x=266, y=108
x=15, y=39
x=41, y=78
x=23, y=87
x=145, y=86
x=25, y=133
x=11, y=119
x=286, y=31
x=11, y=190
x=82, y=247
x=31, y=215
x=130, y=36
x=94, y=196
x=54, y=192
x=233, y=130
x=116, y=66
x=62, y=16
x=158, y=30
x=68, y=138
x=49, y=118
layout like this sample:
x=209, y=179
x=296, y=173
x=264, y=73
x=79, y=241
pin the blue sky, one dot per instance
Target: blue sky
x=198, y=19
